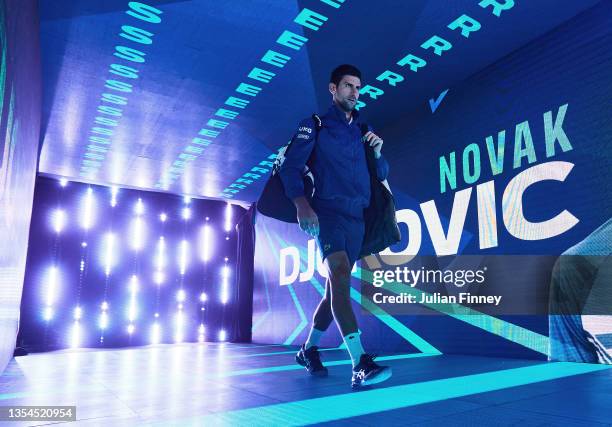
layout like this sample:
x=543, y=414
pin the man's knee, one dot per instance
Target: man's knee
x=339, y=268
x=340, y=277
x=340, y=291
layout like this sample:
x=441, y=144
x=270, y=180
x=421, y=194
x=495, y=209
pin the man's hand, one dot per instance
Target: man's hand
x=375, y=142
x=307, y=218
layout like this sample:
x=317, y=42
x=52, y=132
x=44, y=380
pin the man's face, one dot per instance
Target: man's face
x=346, y=92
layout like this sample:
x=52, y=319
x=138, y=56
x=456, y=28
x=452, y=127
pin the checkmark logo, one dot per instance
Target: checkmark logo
x=434, y=104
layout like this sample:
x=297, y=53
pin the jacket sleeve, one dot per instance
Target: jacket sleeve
x=297, y=154
x=382, y=168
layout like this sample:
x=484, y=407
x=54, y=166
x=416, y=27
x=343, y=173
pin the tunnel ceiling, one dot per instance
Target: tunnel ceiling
x=193, y=97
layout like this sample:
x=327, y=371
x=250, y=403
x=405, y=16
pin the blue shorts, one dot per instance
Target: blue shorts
x=340, y=233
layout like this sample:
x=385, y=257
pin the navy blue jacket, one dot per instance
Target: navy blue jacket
x=342, y=180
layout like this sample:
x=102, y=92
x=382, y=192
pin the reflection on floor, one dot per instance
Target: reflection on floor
x=237, y=384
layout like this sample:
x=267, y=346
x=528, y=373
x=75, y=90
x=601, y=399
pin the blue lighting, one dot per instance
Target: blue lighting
x=224, y=284
x=153, y=276
x=87, y=210
x=133, y=308
x=201, y=333
x=59, y=220
x=51, y=291
x=114, y=191
x=184, y=256
x=138, y=233
x=139, y=208
x=205, y=242
x=228, y=217
x=179, y=325
x=109, y=252
x=156, y=333
x=103, y=323
x=75, y=335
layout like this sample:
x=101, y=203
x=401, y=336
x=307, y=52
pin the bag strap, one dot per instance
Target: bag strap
x=318, y=124
x=369, y=152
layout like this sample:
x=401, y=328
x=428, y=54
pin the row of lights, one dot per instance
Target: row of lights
x=88, y=204
x=52, y=292
x=59, y=217
x=137, y=241
x=155, y=338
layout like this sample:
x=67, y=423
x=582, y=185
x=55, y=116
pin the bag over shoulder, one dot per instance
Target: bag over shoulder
x=273, y=201
x=381, y=229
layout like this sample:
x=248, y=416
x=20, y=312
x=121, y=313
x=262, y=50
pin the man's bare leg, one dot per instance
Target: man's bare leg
x=308, y=354
x=339, y=273
x=365, y=370
x=322, y=318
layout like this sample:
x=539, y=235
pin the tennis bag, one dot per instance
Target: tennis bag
x=381, y=229
x=273, y=201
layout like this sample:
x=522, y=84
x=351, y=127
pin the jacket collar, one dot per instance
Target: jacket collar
x=336, y=113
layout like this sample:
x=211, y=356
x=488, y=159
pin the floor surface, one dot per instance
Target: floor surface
x=238, y=384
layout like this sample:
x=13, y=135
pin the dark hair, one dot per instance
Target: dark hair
x=344, y=70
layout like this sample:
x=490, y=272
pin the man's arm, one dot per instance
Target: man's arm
x=306, y=216
x=291, y=171
x=382, y=167
x=291, y=174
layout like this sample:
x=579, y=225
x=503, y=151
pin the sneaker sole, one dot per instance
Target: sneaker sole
x=381, y=376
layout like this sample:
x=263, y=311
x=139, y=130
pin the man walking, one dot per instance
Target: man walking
x=335, y=214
